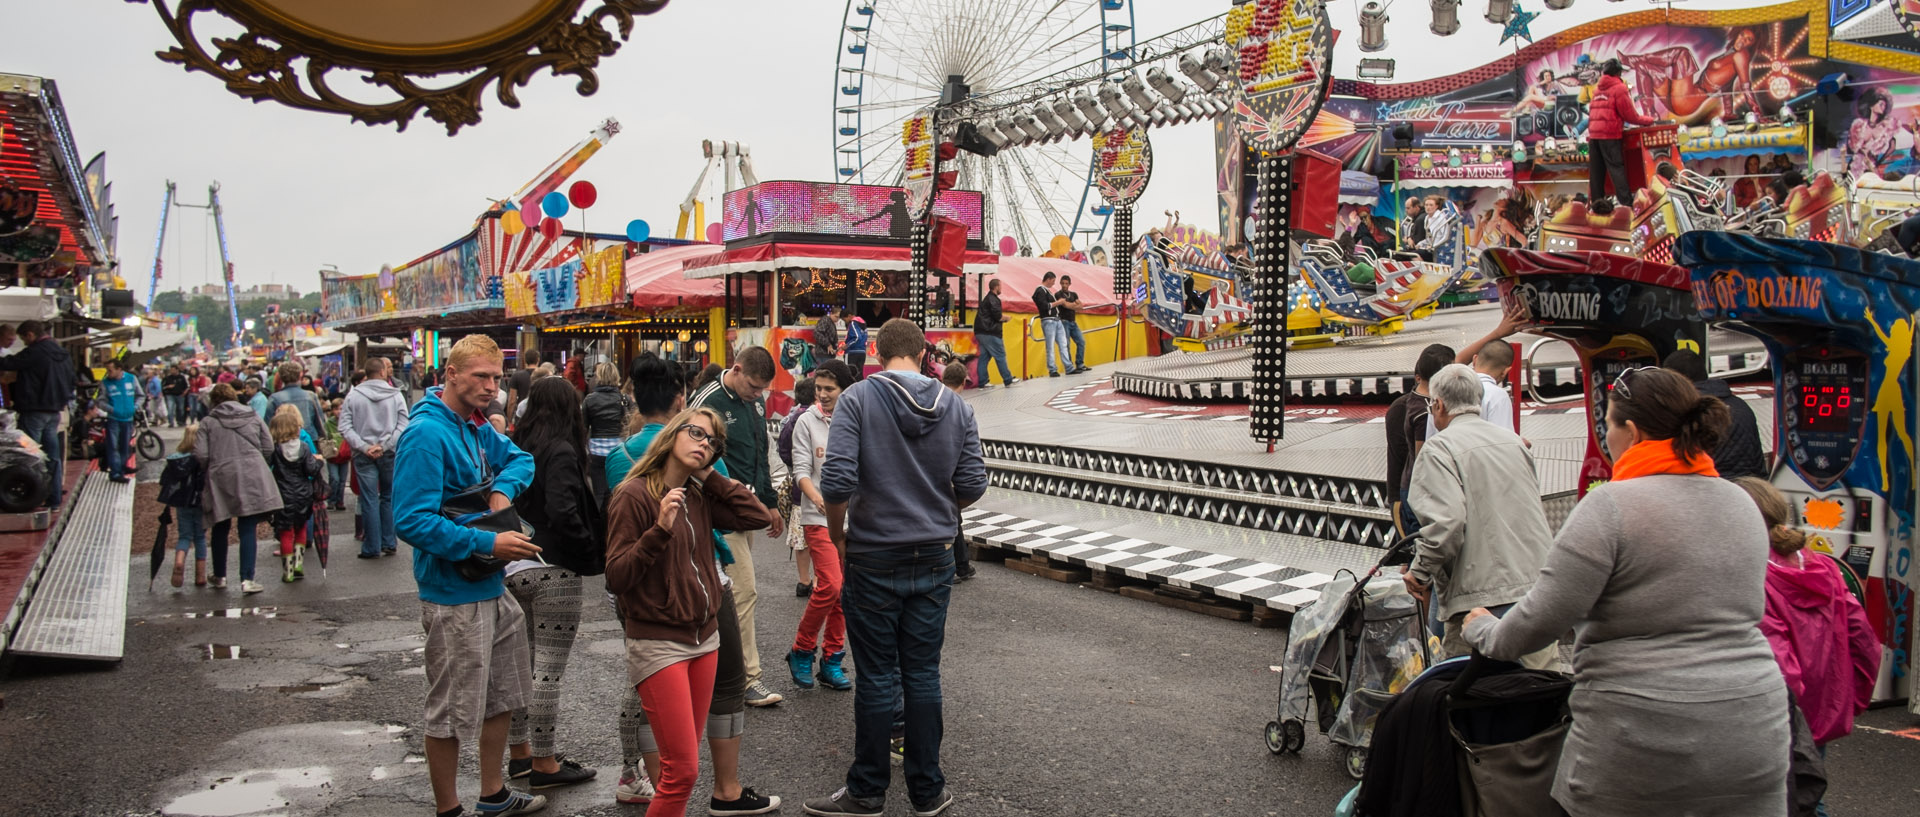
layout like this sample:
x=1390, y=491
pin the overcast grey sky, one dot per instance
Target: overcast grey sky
x=304, y=189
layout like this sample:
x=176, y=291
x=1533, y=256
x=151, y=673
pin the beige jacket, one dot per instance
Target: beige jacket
x=1483, y=535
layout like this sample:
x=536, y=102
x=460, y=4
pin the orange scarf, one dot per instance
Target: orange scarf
x=1651, y=457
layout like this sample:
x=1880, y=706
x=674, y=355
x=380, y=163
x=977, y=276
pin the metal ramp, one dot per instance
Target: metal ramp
x=79, y=608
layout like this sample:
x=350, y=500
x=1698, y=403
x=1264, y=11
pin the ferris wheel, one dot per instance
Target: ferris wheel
x=898, y=57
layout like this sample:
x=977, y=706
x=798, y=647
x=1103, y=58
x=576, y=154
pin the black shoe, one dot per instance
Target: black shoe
x=842, y=804
x=570, y=773
x=801, y=591
x=386, y=551
x=118, y=480
x=1053, y=374
x=376, y=556
x=932, y=808
x=963, y=575
x=517, y=767
x=749, y=802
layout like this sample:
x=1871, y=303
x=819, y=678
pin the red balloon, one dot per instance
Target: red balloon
x=550, y=227
x=582, y=194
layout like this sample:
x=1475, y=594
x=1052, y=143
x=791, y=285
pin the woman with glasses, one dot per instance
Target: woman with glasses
x=1678, y=707
x=661, y=569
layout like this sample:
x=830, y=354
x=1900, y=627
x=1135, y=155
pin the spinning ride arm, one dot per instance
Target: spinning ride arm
x=159, y=243
x=226, y=262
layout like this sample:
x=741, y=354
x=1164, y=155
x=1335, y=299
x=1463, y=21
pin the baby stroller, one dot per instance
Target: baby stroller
x=1348, y=653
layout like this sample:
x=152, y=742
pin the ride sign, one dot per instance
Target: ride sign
x=1285, y=48
x=1124, y=161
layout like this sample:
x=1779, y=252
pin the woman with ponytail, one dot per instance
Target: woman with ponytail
x=1678, y=707
x=1819, y=632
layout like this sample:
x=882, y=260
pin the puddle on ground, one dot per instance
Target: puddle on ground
x=232, y=612
x=253, y=792
x=415, y=758
x=220, y=652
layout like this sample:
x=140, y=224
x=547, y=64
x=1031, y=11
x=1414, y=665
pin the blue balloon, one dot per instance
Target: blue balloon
x=638, y=231
x=555, y=204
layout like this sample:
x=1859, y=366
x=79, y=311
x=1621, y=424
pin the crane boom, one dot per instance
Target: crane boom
x=226, y=263
x=160, y=243
x=731, y=158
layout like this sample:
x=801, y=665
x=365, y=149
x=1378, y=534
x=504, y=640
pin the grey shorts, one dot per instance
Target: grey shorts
x=477, y=664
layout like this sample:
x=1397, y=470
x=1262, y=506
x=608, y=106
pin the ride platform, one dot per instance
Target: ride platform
x=1382, y=366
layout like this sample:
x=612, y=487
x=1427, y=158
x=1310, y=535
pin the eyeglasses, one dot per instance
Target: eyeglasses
x=1621, y=383
x=699, y=435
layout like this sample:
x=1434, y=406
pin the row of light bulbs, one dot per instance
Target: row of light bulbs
x=1148, y=99
x=1446, y=18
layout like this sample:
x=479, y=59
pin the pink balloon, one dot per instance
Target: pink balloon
x=1008, y=246
x=713, y=232
x=532, y=218
x=582, y=194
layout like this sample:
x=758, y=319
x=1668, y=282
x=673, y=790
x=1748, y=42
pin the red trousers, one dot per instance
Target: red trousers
x=290, y=538
x=676, y=700
x=823, y=607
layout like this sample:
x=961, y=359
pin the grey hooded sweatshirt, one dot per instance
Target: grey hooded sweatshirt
x=905, y=453
x=374, y=414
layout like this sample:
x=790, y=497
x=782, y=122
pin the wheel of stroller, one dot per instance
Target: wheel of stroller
x=1294, y=736
x=1276, y=741
x=1356, y=762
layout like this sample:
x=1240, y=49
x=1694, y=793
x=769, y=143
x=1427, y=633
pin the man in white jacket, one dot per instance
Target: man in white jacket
x=371, y=421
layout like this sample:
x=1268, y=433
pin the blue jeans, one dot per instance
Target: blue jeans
x=43, y=427
x=193, y=530
x=337, y=482
x=993, y=348
x=177, y=409
x=119, y=445
x=1079, y=342
x=376, y=501
x=249, y=540
x=1056, y=334
x=896, y=608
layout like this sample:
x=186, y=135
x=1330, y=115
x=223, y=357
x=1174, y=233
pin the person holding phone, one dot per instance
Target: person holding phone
x=662, y=570
x=477, y=661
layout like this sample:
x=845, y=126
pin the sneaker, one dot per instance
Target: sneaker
x=1053, y=374
x=932, y=808
x=897, y=750
x=759, y=695
x=386, y=551
x=570, y=773
x=801, y=591
x=800, y=665
x=634, y=787
x=368, y=555
x=218, y=582
x=843, y=804
x=749, y=802
x=831, y=675
x=519, y=767
x=517, y=802
x=248, y=586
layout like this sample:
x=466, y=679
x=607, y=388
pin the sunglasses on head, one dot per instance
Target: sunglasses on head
x=1622, y=384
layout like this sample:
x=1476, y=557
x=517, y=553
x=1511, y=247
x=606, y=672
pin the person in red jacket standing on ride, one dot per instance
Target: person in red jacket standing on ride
x=1611, y=109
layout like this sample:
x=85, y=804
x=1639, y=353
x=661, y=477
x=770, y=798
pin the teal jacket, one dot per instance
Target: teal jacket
x=621, y=459
x=439, y=455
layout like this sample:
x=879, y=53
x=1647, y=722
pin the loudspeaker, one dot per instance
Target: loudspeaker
x=967, y=137
x=116, y=303
x=1566, y=115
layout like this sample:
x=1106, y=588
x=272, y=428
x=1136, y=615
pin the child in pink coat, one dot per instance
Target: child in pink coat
x=1819, y=632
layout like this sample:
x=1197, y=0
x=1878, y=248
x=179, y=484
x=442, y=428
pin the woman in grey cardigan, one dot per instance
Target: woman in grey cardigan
x=1677, y=705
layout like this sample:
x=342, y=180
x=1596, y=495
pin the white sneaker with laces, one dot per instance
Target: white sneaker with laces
x=250, y=587
x=759, y=695
x=634, y=787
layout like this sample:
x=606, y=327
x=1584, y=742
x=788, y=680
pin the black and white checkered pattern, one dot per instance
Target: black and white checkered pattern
x=1216, y=388
x=1276, y=586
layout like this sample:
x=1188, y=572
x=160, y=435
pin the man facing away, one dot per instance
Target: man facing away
x=736, y=395
x=1491, y=358
x=1485, y=536
x=371, y=421
x=905, y=452
x=988, y=321
x=41, y=395
x=290, y=394
x=477, y=662
x=1740, y=454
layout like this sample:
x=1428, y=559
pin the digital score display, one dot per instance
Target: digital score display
x=1823, y=406
x=854, y=210
x=1823, y=409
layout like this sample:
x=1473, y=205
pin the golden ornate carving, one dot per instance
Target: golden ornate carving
x=279, y=58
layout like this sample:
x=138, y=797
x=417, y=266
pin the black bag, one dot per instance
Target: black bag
x=469, y=509
x=181, y=482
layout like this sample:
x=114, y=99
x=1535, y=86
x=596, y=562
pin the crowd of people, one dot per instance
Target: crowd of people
x=1709, y=646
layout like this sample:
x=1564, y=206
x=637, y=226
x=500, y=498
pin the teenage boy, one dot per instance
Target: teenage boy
x=736, y=395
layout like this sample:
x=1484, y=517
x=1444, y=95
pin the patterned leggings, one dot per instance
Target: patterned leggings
x=551, y=597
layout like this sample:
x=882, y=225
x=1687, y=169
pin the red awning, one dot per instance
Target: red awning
x=1019, y=277
x=657, y=279
x=37, y=153
x=776, y=256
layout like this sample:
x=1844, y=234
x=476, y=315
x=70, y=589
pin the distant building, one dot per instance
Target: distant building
x=257, y=292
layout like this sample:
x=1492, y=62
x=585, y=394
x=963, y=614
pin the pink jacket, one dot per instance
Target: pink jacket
x=1820, y=635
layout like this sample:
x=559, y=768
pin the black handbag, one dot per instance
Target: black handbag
x=470, y=509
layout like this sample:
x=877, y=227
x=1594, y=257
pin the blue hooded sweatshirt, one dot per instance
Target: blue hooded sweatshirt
x=906, y=452
x=439, y=455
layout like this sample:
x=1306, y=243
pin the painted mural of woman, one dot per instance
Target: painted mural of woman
x=1870, y=138
x=1693, y=93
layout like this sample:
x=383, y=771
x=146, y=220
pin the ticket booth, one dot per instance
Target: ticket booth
x=1616, y=311
x=1838, y=325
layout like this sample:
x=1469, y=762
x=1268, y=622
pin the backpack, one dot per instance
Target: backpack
x=181, y=482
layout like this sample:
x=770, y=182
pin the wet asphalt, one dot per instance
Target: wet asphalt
x=1061, y=700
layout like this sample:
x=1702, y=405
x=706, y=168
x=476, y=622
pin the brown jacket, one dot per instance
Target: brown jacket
x=666, y=581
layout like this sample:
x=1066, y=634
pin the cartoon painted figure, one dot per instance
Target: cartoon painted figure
x=1871, y=136
x=1890, y=405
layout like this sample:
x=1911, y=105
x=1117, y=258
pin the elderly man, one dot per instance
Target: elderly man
x=1484, y=536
